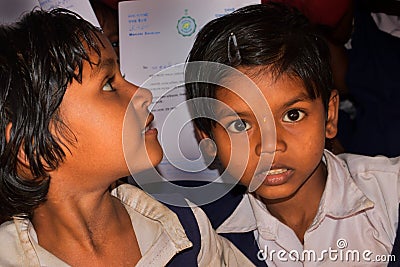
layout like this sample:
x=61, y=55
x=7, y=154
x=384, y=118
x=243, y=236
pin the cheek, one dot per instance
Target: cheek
x=311, y=134
x=98, y=132
x=236, y=158
x=235, y=152
x=314, y=143
x=223, y=151
x=132, y=133
x=318, y=139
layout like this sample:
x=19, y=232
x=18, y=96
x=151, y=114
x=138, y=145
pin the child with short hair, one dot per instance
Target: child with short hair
x=64, y=107
x=305, y=205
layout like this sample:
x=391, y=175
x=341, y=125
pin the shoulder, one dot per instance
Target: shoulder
x=378, y=165
x=209, y=248
x=215, y=249
x=378, y=170
x=143, y=204
x=378, y=178
x=9, y=235
x=374, y=175
x=150, y=214
x=12, y=253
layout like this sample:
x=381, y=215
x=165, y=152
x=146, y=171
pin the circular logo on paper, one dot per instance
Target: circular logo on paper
x=186, y=26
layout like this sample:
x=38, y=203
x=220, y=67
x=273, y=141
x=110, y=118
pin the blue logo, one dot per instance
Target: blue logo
x=186, y=26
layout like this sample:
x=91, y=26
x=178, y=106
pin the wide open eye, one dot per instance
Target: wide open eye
x=108, y=87
x=293, y=115
x=238, y=126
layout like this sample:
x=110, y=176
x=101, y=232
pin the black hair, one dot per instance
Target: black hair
x=271, y=35
x=40, y=55
x=104, y=14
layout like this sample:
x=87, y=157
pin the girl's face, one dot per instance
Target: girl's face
x=98, y=112
x=301, y=126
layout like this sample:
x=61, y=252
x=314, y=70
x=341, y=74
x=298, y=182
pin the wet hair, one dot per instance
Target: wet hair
x=40, y=55
x=274, y=36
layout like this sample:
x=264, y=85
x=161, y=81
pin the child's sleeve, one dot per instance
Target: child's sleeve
x=216, y=250
x=396, y=162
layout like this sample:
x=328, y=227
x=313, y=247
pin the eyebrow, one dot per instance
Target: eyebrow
x=228, y=112
x=107, y=63
x=299, y=98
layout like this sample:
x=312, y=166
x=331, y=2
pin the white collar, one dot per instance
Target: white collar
x=341, y=198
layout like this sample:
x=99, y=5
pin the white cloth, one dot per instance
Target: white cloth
x=387, y=23
x=160, y=237
x=358, y=213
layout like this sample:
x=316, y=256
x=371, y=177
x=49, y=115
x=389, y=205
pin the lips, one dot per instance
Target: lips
x=148, y=128
x=276, y=171
x=274, y=176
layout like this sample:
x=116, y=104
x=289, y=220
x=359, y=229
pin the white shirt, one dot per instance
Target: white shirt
x=160, y=236
x=357, y=216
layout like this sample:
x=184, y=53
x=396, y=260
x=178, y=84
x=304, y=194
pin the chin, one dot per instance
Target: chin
x=154, y=153
x=139, y=161
x=271, y=194
x=156, y=159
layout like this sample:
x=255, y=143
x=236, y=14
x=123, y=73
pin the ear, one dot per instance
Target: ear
x=207, y=145
x=332, y=118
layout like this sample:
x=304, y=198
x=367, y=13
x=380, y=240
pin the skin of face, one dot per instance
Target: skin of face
x=97, y=112
x=301, y=124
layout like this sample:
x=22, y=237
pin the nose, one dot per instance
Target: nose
x=271, y=139
x=142, y=97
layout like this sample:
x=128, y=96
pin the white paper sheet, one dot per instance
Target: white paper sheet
x=155, y=35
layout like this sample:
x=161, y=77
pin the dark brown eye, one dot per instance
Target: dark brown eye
x=293, y=115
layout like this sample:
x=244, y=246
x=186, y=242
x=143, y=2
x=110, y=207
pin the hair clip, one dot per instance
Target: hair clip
x=233, y=49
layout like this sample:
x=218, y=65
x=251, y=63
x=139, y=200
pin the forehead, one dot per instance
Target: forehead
x=263, y=85
x=106, y=51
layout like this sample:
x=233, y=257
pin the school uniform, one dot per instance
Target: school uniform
x=355, y=224
x=160, y=236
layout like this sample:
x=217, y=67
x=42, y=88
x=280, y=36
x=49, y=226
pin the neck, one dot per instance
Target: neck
x=81, y=217
x=299, y=210
x=82, y=224
x=78, y=209
x=93, y=230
